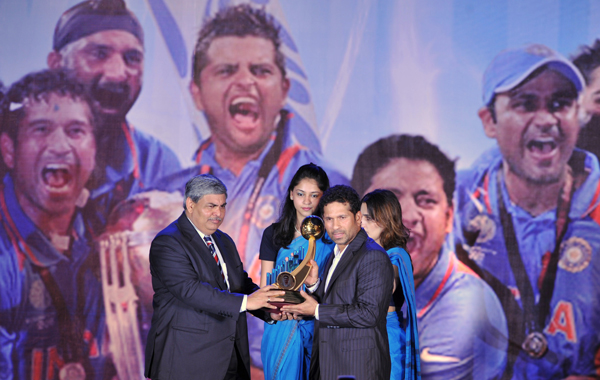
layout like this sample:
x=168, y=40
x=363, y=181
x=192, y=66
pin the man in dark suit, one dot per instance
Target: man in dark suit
x=201, y=293
x=351, y=299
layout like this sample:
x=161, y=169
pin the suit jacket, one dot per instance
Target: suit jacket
x=350, y=335
x=196, y=320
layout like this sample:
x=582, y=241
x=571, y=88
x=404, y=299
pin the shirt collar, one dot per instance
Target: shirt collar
x=337, y=253
x=202, y=235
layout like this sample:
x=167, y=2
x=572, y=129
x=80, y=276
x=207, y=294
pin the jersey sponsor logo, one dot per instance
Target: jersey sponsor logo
x=563, y=321
x=576, y=254
x=426, y=356
x=486, y=227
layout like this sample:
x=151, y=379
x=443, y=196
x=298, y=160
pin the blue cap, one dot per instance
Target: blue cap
x=512, y=66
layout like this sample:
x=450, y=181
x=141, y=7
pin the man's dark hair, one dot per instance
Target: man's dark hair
x=240, y=21
x=588, y=59
x=201, y=185
x=379, y=154
x=38, y=86
x=341, y=194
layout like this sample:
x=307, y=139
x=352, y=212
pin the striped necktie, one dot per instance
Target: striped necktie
x=211, y=246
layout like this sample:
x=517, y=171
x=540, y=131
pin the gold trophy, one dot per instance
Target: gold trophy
x=291, y=281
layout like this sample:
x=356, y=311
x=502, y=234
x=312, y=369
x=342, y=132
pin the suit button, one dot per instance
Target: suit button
x=232, y=338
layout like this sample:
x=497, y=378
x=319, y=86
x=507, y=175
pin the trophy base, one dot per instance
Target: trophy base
x=291, y=297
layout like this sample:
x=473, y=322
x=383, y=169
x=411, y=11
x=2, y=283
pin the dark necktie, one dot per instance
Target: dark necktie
x=211, y=246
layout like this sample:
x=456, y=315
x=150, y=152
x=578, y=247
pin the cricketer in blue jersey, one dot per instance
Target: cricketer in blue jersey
x=51, y=308
x=239, y=82
x=462, y=328
x=527, y=216
x=102, y=43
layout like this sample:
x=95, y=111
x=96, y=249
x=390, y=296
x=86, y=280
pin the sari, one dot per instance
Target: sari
x=402, y=333
x=287, y=345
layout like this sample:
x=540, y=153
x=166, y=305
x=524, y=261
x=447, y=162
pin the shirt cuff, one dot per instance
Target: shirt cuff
x=243, y=307
x=314, y=288
x=317, y=313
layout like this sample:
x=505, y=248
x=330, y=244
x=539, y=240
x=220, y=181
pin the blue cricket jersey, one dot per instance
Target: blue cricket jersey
x=462, y=328
x=572, y=327
x=31, y=343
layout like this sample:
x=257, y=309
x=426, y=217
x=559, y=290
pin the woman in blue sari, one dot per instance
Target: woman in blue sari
x=287, y=345
x=382, y=220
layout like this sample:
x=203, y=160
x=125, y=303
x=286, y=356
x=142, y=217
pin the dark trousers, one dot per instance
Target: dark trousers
x=236, y=369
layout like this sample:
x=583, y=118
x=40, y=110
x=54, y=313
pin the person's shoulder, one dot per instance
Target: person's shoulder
x=373, y=250
x=465, y=291
x=223, y=235
x=473, y=176
x=368, y=243
x=9, y=258
x=145, y=139
x=169, y=231
x=173, y=230
x=150, y=145
x=270, y=229
x=305, y=155
x=295, y=154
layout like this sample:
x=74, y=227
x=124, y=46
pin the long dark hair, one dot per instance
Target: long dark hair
x=385, y=209
x=283, y=233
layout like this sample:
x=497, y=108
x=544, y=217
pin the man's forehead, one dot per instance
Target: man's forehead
x=214, y=198
x=232, y=47
x=404, y=174
x=547, y=80
x=115, y=39
x=53, y=103
x=336, y=208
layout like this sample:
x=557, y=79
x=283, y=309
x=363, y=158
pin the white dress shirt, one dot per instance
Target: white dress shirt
x=337, y=256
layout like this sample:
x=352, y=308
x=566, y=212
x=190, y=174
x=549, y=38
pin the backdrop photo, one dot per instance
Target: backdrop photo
x=481, y=116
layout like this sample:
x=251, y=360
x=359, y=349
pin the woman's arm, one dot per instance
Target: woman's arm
x=266, y=266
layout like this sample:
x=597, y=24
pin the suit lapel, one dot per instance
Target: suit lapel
x=200, y=249
x=347, y=257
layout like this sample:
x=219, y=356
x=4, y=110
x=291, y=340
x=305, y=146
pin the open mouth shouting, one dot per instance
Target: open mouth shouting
x=413, y=245
x=245, y=112
x=542, y=147
x=111, y=97
x=57, y=177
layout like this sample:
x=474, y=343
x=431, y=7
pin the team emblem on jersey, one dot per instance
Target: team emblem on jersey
x=575, y=255
x=266, y=211
x=38, y=296
x=485, y=225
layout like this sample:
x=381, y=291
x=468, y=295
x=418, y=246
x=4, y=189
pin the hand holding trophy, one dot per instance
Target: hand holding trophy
x=290, y=282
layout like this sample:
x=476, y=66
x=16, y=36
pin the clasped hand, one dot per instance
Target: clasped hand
x=309, y=306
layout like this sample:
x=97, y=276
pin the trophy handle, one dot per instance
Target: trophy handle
x=303, y=269
x=121, y=304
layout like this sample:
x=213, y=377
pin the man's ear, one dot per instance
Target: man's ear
x=449, y=219
x=196, y=95
x=487, y=119
x=54, y=60
x=189, y=204
x=7, y=146
x=286, y=88
x=358, y=217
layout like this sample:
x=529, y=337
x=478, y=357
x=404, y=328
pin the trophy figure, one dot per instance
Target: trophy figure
x=290, y=276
